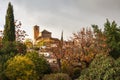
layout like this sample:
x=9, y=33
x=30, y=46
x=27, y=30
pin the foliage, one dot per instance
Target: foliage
x=21, y=48
x=3, y=60
x=83, y=45
x=57, y=76
x=58, y=52
x=36, y=48
x=8, y=47
x=113, y=73
x=111, y=36
x=76, y=72
x=112, y=33
x=14, y=47
x=19, y=33
x=9, y=28
x=28, y=43
x=20, y=68
x=41, y=43
x=72, y=70
x=87, y=44
x=41, y=65
x=103, y=67
x=100, y=40
x=80, y=51
x=66, y=68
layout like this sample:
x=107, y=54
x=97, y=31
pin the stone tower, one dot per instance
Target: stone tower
x=36, y=32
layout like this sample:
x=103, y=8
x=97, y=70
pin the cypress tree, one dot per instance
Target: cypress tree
x=9, y=28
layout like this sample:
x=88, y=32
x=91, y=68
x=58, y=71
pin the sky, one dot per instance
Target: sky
x=57, y=15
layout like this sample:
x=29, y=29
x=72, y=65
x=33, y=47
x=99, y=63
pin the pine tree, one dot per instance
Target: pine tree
x=112, y=33
x=9, y=28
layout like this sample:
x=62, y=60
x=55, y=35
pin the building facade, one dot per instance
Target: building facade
x=45, y=41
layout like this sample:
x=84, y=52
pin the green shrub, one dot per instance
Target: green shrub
x=103, y=67
x=41, y=65
x=57, y=76
x=3, y=59
x=114, y=72
x=20, y=68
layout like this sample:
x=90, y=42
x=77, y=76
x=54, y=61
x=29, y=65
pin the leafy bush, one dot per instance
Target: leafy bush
x=57, y=76
x=72, y=71
x=41, y=65
x=20, y=68
x=76, y=72
x=3, y=59
x=103, y=67
x=113, y=73
x=67, y=68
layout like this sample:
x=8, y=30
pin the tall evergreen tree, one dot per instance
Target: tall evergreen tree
x=9, y=28
x=112, y=32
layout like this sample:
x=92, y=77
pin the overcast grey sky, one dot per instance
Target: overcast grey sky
x=57, y=15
